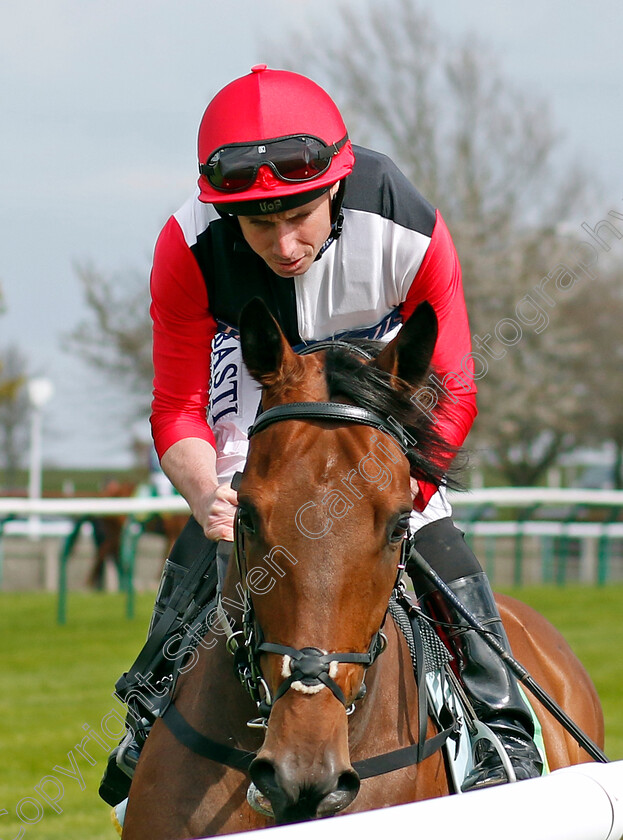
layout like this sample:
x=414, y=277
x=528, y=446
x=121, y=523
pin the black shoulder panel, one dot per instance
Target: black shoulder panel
x=376, y=185
x=234, y=275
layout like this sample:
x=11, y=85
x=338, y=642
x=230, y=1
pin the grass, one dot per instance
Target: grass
x=55, y=679
x=590, y=620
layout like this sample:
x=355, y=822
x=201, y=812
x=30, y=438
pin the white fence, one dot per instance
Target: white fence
x=502, y=497
x=57, y=520
x=571, y=534
x=578, y=803
x=86, y=507
x=593, y=545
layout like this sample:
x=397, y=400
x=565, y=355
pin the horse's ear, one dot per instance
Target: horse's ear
x=408, y=355
x=264, y=346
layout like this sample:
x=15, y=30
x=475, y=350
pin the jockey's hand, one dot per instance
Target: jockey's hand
x=217, y=514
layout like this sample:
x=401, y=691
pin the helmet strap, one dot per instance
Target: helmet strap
x=337, y=218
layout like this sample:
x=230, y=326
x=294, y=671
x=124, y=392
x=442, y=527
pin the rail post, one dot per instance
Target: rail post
x=65, y=553
x=603, y=548
x=3, y=522
x=521, y=519
x=132, y=531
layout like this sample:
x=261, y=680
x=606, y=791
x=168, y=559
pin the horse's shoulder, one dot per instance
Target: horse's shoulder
x=550, y=660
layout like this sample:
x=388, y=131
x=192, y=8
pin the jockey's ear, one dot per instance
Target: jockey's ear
x=408, y=355
x=265, y=351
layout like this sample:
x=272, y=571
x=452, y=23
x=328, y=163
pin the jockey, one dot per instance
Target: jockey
x=336, y=242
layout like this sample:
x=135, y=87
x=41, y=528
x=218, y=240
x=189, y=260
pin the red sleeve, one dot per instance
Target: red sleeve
x=183, y=329
x=439, y=281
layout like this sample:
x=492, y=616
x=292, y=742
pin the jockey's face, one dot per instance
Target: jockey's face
x=289, y=242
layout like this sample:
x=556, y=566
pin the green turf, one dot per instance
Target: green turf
x=591, y=619
x=54, y=679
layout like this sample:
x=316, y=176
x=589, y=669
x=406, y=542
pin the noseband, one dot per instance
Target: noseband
x=310, y=667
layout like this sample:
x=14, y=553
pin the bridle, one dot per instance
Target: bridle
x=309, y=666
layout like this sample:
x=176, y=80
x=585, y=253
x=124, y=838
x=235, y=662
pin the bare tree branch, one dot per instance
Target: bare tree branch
x=116, y=339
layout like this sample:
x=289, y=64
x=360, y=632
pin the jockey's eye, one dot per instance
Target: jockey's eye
x=399, y=528
x=246, y=519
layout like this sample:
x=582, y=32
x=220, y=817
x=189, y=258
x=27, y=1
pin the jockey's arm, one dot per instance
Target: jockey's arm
x=190, y=465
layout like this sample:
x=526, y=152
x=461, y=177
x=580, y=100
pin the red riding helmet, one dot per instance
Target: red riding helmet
x=270, y=141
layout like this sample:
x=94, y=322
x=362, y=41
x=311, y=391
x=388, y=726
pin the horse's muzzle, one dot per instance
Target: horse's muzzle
x=294, y=799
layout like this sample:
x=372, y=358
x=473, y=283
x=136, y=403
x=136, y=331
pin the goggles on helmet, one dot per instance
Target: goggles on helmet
x=296, y=158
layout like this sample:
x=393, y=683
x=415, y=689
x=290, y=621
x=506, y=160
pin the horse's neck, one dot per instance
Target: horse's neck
x=391, y=695
x=209, y=692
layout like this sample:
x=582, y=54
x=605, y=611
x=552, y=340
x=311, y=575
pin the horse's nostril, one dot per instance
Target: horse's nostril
x=348, y=782
x=345, y=791
x=264, y=776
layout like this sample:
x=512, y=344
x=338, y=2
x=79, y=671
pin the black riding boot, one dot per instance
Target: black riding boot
x=491, y=688
x=143, y=701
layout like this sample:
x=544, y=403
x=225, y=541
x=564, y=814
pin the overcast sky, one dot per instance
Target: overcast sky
x=100, y=101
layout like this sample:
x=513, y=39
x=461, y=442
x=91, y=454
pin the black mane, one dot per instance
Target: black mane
x=349, y=378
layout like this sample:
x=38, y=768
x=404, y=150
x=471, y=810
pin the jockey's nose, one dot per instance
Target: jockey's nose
x=284, y=241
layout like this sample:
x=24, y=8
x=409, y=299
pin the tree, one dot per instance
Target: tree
x=601, y=313
x=116, y=337
x=14, y=409
x=488, y=155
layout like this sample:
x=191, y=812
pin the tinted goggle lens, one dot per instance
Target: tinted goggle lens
x=296, y=159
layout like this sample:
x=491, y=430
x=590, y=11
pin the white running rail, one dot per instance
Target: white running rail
x=584, y=802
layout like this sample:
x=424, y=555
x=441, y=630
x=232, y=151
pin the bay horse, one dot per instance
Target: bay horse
x=324, y=502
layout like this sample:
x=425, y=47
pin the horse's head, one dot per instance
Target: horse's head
x=324, y=505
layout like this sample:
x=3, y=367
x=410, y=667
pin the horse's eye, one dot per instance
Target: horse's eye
x=400, y=528
x=246, y=520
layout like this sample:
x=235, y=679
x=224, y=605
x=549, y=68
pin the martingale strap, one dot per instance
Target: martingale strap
x=202, y=745
x=241, y=760
x=365, y=768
